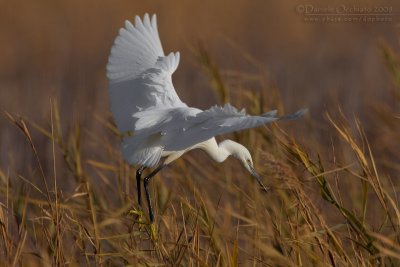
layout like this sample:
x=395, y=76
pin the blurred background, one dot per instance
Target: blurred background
x=59, y=49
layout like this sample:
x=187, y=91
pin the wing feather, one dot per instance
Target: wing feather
x=143, y=99
x=216, y=121
x=176, y=129
x=139, y=73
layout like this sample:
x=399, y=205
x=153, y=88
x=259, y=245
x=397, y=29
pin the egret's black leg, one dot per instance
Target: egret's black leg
x=146, y=181
x=138, y=184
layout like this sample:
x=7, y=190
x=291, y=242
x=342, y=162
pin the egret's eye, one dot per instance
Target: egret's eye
x=249, y=162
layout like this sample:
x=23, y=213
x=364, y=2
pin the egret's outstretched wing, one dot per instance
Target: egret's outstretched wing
x=215, y=121
x=139, y=73
x=176, y=129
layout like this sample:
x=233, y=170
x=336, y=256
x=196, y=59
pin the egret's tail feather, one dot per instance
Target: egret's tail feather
x=137, y=151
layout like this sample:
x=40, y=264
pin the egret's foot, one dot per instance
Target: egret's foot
x=133, y=212
x=139, y=216
x=153, y=231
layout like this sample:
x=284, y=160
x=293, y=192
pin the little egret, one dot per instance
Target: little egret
x=153, y=121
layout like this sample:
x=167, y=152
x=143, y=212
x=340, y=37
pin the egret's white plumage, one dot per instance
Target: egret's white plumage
x=144, y=101
x=157, y=123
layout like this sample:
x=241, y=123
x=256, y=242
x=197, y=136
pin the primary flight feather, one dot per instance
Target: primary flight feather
x=145, y=104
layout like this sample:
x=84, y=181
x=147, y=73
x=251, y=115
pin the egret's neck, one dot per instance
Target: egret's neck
x=218, y=152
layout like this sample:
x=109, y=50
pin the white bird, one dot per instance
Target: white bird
x=154, y=122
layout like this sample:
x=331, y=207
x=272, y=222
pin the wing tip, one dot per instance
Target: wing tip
x=147, y=18
x=295, y=115
x=128, y=26
x=137, y=44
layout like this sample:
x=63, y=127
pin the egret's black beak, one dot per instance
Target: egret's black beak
x=258, y=178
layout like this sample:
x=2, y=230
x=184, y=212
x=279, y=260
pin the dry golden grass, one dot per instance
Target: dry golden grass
x=65, y=191
x=206, y=216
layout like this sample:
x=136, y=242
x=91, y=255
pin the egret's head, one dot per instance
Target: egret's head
x=242, y=153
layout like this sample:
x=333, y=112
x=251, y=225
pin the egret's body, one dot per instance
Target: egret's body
x=155, y=123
